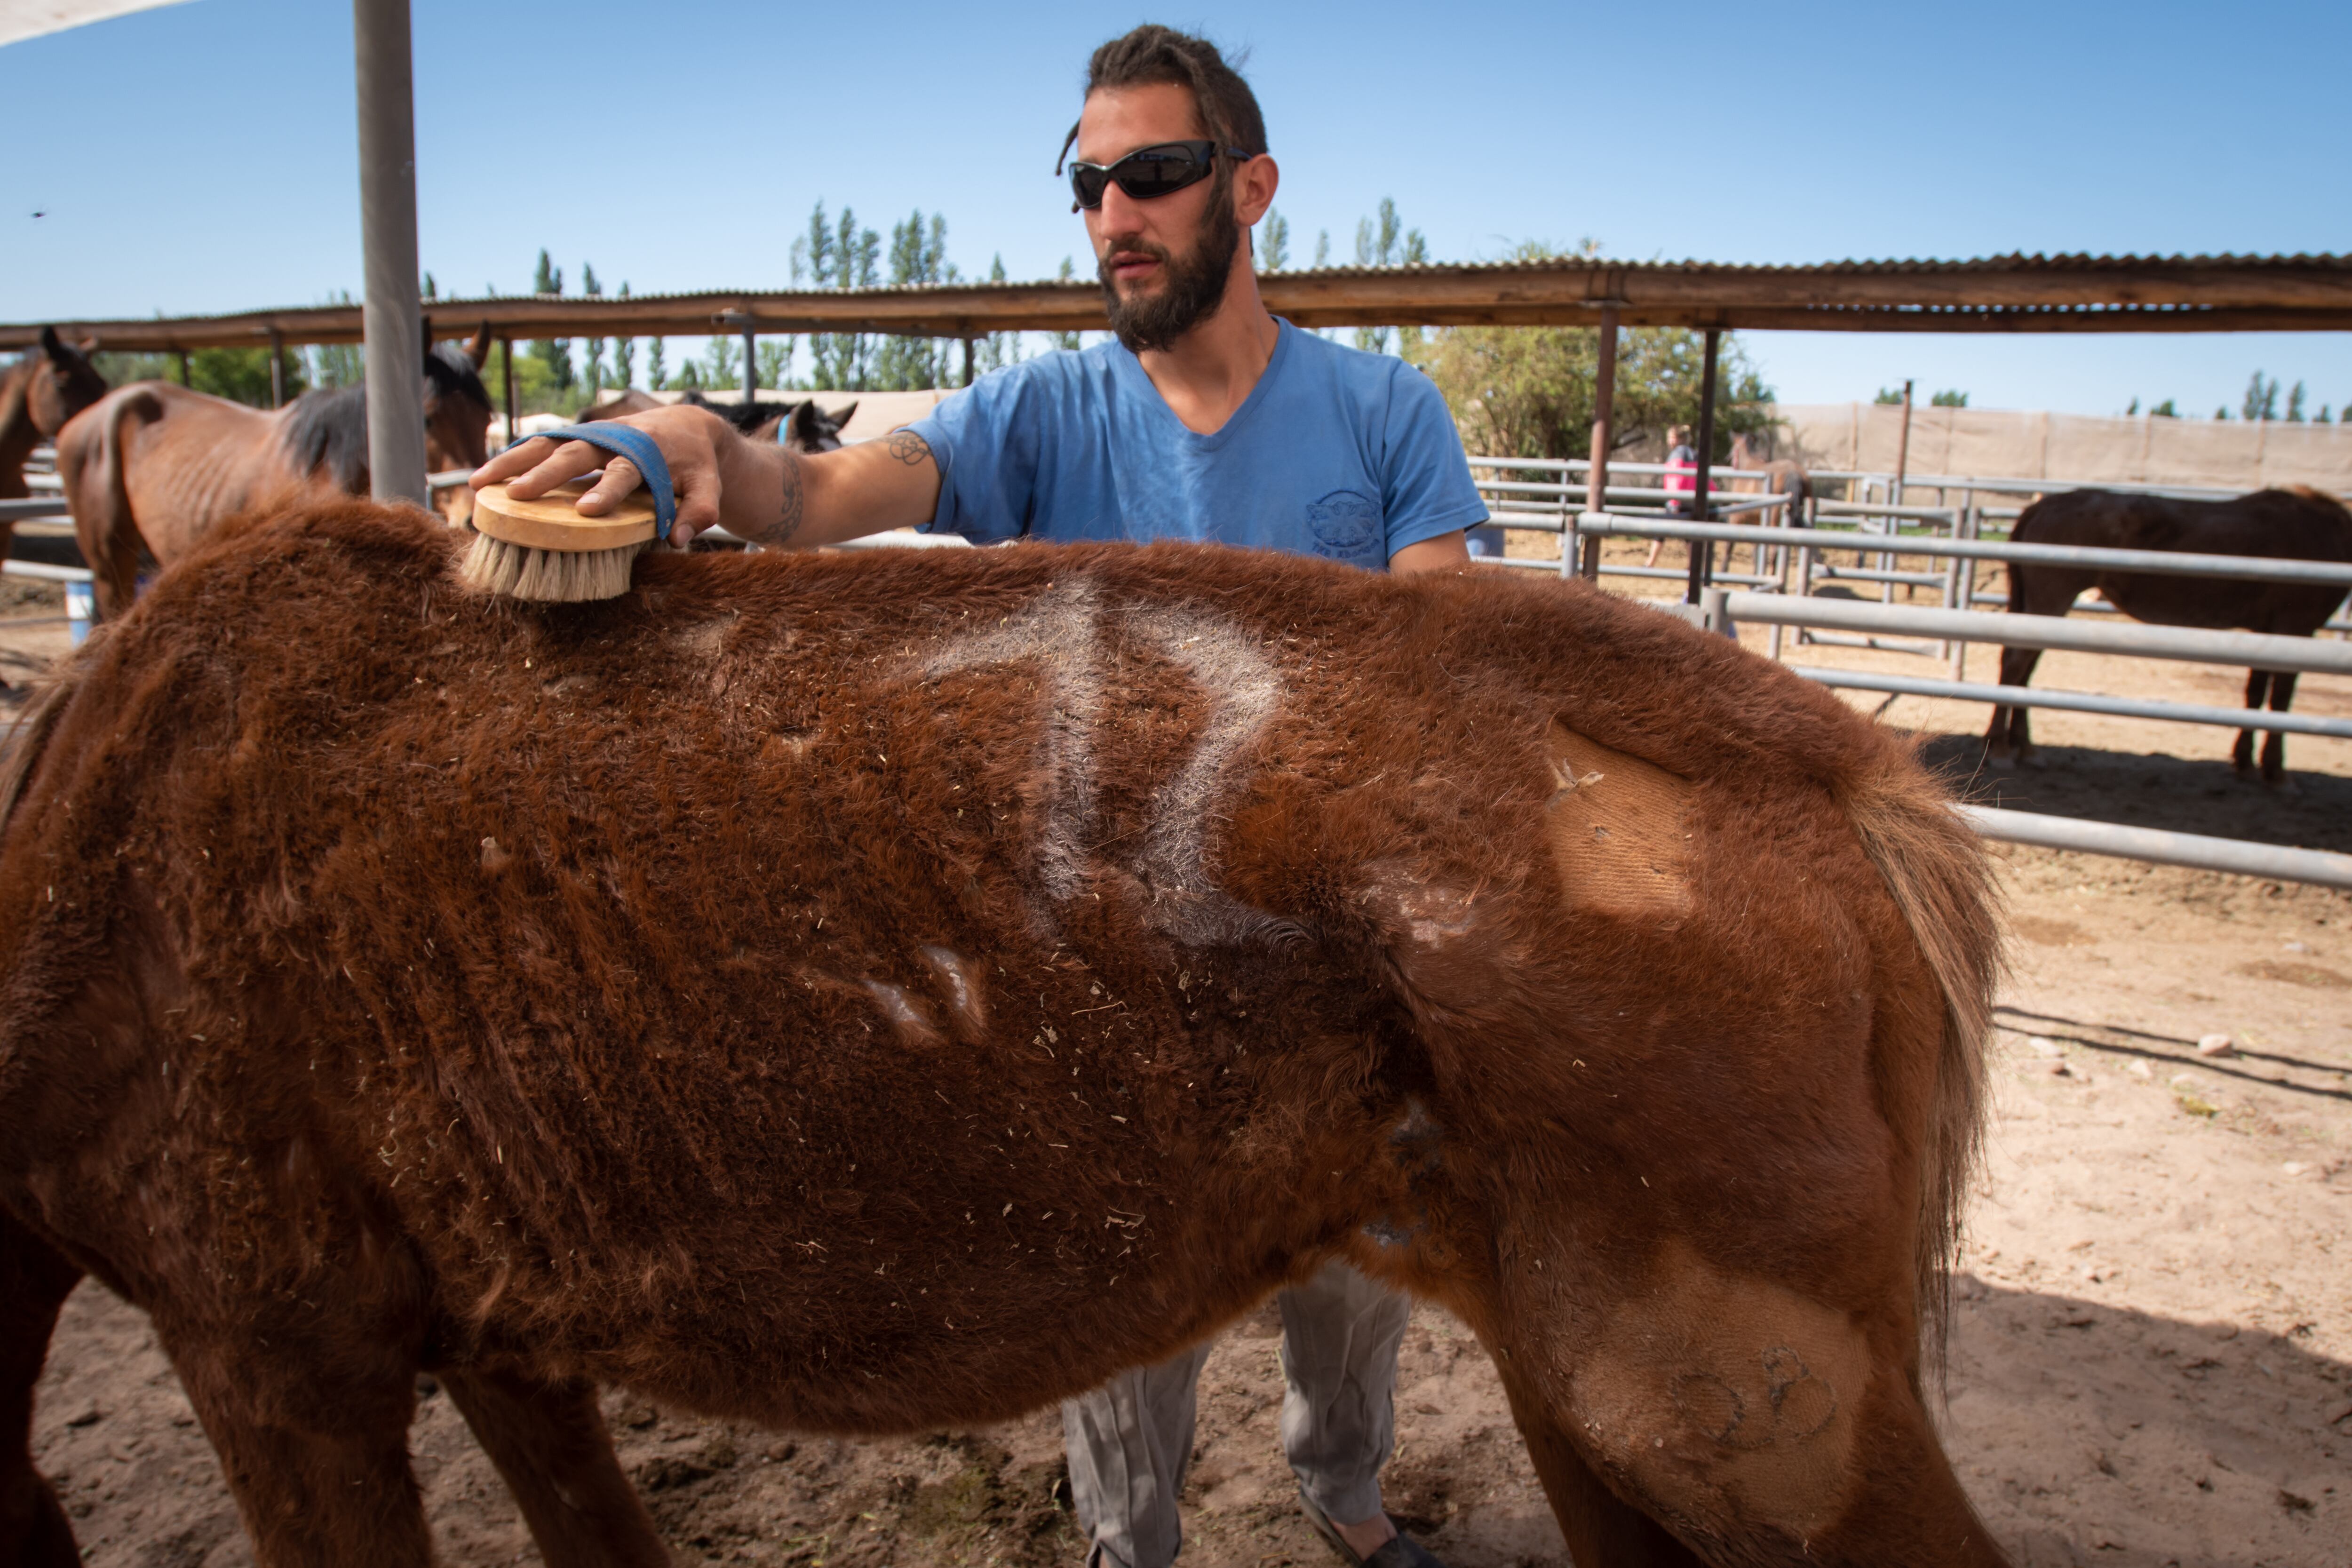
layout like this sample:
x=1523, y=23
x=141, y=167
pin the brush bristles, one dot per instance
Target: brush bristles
x=550, y=576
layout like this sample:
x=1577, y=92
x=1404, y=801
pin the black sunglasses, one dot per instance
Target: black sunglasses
x=1148, y=172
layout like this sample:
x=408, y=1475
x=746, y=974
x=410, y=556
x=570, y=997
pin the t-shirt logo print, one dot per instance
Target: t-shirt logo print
x=1346, y=526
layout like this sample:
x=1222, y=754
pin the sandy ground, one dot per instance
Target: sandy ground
x=2153, y=1357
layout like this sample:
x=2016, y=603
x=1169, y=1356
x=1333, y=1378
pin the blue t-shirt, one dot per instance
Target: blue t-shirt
x=1335, y=452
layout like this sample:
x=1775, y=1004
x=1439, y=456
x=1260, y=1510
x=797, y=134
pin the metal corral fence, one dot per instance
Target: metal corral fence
x=1789, y=567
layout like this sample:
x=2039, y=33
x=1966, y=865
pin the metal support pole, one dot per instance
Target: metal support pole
x=276, y=369
x=392, y=315
x=967, y=360
x=183, y=354
x=1604, y=419
x=751, y=365
x=1702, y=555
x=506, y=365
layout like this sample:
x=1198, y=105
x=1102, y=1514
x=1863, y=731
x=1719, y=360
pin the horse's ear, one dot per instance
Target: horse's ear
x=841, y=420
x=55, y=346
x=426, y=323
x=802, y=423
x=479, y=350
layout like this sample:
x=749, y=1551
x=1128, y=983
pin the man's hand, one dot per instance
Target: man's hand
x=697, y=445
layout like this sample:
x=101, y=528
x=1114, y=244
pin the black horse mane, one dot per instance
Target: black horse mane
x=329, y=429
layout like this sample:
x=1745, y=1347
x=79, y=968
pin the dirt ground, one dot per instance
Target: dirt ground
x=2153, y=1357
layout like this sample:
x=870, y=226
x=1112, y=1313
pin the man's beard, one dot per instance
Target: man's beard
x=1192, y=285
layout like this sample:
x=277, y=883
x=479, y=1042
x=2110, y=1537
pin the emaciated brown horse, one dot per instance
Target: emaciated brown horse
x=45, y=388
x=873, y=993
x=151, y=468
x=2296, y=523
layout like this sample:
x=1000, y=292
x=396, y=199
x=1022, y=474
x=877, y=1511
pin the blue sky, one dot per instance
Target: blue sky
x=202, y=157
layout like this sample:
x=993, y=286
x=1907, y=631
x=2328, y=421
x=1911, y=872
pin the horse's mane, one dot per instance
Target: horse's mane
x=2312, y=493
x=745, y=416
x=329, y=429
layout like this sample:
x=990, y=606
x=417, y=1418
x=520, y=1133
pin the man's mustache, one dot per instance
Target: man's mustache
x=1131, y=245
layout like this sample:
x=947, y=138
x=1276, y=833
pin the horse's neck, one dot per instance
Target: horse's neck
x=19, y=435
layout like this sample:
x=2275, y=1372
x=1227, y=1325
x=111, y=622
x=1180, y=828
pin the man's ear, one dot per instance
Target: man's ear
x=1253, y=191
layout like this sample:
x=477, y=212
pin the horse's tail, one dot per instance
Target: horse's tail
x=93, y=460
x=1936, y=867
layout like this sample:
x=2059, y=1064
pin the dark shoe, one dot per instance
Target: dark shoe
x=1404, y=1552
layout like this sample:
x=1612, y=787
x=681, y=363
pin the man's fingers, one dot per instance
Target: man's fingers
x=570, y=460
x=621, y=477
x=513, y=460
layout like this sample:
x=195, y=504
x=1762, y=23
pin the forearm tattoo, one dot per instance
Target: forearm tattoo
x=796, y=501
x=907, y=448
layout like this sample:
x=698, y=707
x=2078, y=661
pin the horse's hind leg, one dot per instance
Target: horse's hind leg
x=310, y=1422
x=2242, y=755
x=1601, y=1527
x=549, y=1443
x=34, y=1283
x=1755, y=1423
x=2010, y=738
x=2274, y=745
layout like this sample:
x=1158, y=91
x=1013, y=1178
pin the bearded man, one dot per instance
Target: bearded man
x=1208, y=419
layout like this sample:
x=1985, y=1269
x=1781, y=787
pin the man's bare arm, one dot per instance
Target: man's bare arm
x=756, y=491
x=1446, y=553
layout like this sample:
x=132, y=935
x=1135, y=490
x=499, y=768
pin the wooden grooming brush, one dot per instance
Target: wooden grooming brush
x=543, y=548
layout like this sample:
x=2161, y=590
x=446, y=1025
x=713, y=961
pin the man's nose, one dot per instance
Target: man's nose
x=1119, y=213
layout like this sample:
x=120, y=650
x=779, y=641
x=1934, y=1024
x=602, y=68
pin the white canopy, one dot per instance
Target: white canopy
x=31, y=18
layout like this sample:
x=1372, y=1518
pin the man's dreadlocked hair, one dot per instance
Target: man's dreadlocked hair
x=1151, y=55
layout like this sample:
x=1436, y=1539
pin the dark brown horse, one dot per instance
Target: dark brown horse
x=803, y=426
x=43, y=389
x=873, y=993
x=2296, y=523
x=151, y=468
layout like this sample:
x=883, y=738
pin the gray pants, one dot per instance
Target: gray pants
x=1131, y=1440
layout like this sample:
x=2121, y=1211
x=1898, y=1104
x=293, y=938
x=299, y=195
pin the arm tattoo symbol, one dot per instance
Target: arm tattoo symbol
x=789, y=515
x=907, y=448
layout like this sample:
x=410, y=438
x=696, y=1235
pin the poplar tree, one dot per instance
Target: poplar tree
x=625, y=353
x=594, y=290
x=1274, y=254
x=555, y=354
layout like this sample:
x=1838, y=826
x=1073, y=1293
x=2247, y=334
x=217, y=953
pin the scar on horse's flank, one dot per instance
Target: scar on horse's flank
x=1616, y=827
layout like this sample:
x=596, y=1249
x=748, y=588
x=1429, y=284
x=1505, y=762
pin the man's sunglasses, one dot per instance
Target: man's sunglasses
x=1148, y=172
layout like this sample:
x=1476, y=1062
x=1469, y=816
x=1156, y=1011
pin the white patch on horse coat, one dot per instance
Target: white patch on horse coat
x=1228, y=666
x=1061, y=633
x=960, y=980
x=904, y=1016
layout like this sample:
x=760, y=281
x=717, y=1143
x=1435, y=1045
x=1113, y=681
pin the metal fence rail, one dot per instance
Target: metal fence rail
x=2258, y=651
x=2079, y=701
x=2322, y=867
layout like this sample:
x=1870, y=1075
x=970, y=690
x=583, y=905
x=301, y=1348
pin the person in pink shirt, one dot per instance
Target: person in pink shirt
x=1681, y=480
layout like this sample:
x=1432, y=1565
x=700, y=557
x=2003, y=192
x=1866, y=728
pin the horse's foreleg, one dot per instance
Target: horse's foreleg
x=2242, y=755
x=549, y=1443
x=2274, y=745
x=34, y=1282
x=312, y=1433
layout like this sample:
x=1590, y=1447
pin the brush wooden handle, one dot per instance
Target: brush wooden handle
x=552, y=522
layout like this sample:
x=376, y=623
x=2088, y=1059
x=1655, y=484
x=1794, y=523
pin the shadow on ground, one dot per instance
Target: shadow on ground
x=2155, y=790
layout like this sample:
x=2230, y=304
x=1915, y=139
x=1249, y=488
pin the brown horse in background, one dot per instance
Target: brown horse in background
x=803, y=426
x=2296, y=523
x=151, y=468
x=1781, y=477
x=43, y=389
x=660, y=992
